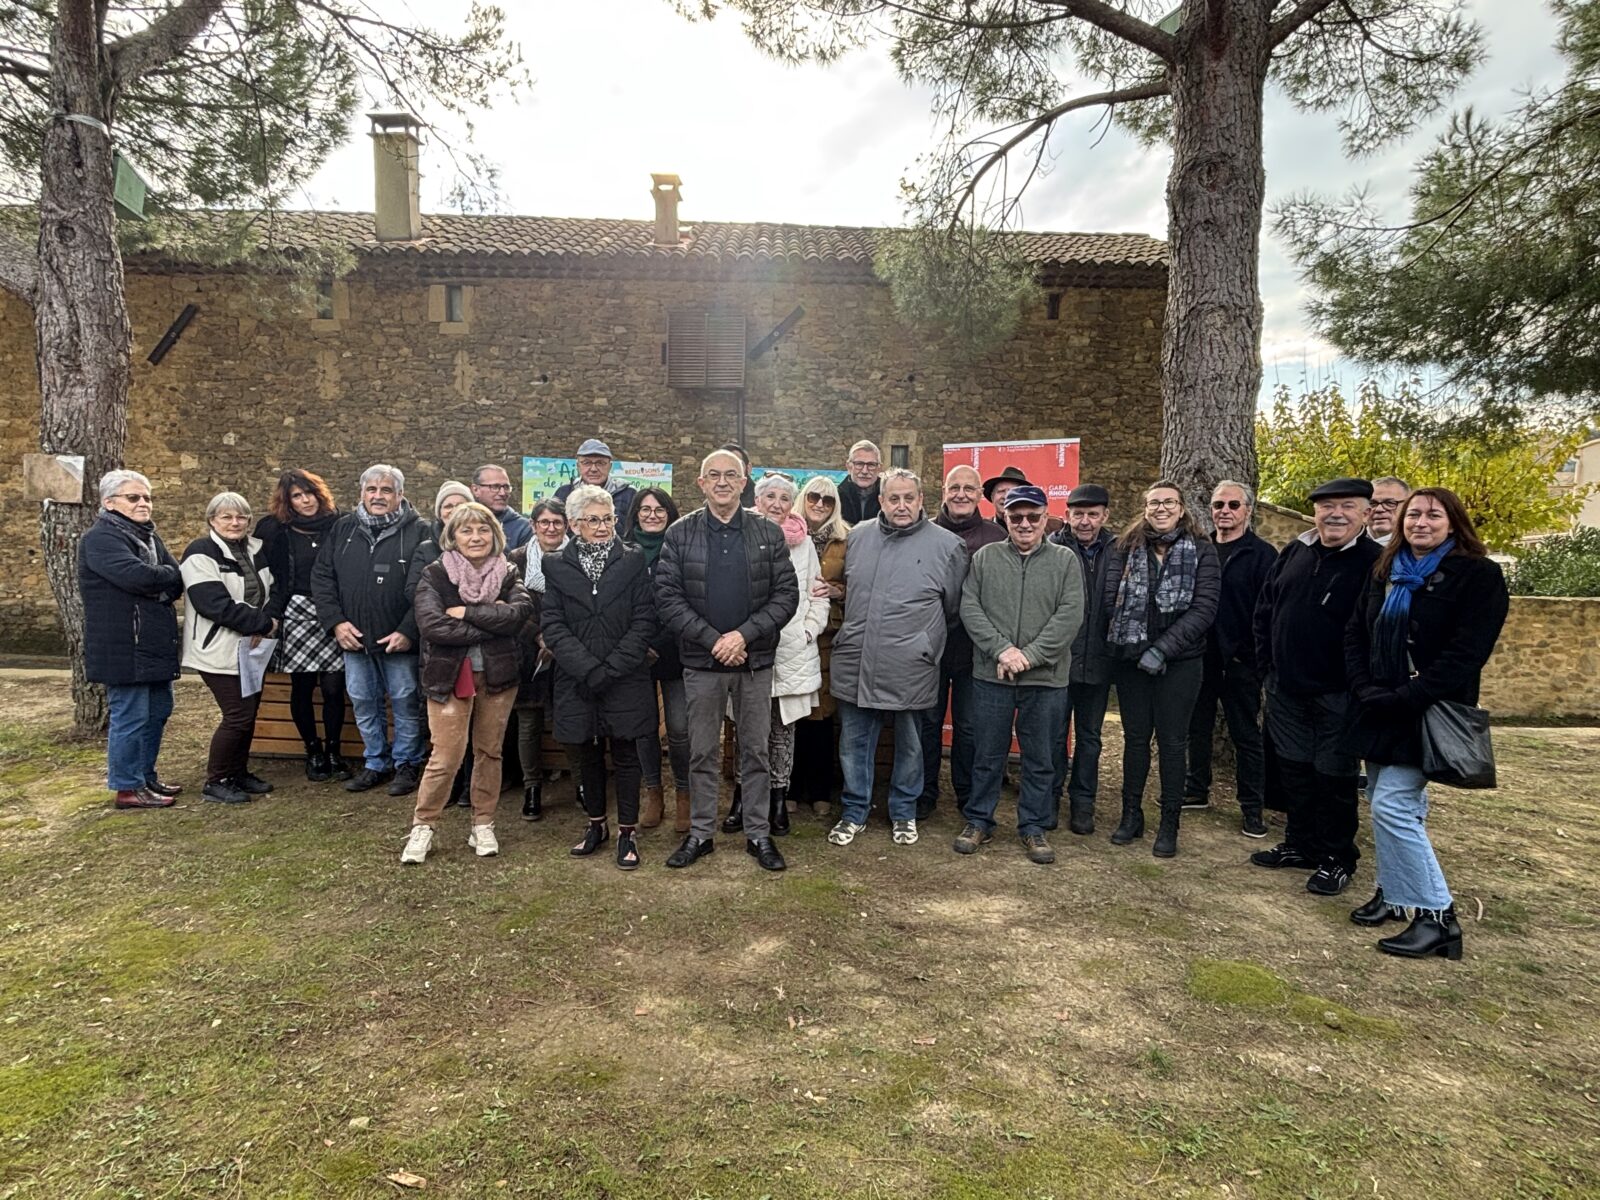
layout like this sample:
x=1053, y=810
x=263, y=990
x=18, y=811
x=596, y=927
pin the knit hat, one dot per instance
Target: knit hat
x=450, y=487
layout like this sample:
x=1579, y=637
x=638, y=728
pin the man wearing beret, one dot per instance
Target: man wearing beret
x=1299, y=632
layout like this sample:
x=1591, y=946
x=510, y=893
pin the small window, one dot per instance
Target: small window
x=1052, y=309
x=455, y=305
x=325, y=299
x=900, y=456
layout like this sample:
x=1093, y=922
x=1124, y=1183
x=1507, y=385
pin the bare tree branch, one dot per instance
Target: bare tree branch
x=19, y=266
x=162, y=40
x=1284, y=27
x=1124, y=25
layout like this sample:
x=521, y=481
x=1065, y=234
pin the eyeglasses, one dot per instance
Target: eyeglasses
x=552, y=524
x=1159, y=504
x=724, y=476
x=602, y=521
x=1025, y=518
x=857, y=464
x=132, y=497
x=494, y=487
x=652, y=510
x=819, y=498
x=1221, y=504
x=1386, y=504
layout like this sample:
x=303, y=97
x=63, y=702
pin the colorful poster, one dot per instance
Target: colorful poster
x=541, y=477
x=1051, y=463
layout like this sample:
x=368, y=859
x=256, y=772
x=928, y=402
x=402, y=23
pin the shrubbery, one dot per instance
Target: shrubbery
x=1567, y=564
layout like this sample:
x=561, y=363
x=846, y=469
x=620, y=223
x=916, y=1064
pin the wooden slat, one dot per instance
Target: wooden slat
x=686, y=348
x=725, y=350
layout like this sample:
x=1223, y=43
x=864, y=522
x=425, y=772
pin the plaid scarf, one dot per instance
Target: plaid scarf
x=1173, y=593
x=385, y=520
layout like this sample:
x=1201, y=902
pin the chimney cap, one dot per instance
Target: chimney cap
x=665, y=181
x=390, y=122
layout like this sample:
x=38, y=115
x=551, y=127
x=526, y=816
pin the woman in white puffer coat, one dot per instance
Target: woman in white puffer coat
x=797, y=673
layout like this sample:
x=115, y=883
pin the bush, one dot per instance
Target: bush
x=1567, y=564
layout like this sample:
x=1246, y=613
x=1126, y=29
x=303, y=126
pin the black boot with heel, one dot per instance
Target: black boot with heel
x=1434, y=931
x=1132, y=825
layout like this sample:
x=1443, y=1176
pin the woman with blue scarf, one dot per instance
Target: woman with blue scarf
x=1420, y=633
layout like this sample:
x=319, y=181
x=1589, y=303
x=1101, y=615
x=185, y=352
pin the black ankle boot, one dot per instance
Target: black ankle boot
x=533, y=802
x=778, y=817
x=1166, y=843
x=734, y=821
x=1435, y=931
x=1375, y=911
x=337, y=767
x=317, y=769
x=594, y=837
x=1081, y=820
x=1132, y=825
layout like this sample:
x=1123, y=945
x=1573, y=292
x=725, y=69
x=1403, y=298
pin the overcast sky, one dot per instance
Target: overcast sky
x=622, y=88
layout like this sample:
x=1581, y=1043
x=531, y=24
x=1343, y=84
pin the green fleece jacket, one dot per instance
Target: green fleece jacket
x=1033, y=603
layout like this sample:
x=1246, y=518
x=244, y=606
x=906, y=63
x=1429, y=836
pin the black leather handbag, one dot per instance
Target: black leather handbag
x=1456, y=748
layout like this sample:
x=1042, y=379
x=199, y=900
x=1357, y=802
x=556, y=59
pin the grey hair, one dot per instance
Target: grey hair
x=775, y=480
x=225, y=501
x=586, y=496
x=384, y=471
x=111, y=482
x=865, y=445
x=477, y=476
x=894, y=473
x=1395, y=479
x=1242, y=488
x=706, y=461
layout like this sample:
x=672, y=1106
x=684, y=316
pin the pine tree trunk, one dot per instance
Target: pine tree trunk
x=80, y=317
x=1211, y=345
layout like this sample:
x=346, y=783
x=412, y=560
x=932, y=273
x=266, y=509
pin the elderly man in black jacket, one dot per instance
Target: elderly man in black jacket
x=725, y=588
x=1230, y=675
x=1089, y=690
x=1299, y=631
x=363, y=585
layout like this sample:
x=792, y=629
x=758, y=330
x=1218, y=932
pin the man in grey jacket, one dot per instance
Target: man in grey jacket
x=902, y=587
x=1022, y=605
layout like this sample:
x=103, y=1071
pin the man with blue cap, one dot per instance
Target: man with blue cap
x=594, y=467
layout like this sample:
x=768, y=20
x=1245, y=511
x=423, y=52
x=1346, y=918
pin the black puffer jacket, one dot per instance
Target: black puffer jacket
x=681, y=590
x=600, y=634
x=1456, y=618
x=1178, y=635
x=129, y=583
x=1091, y=657
x=369, y=580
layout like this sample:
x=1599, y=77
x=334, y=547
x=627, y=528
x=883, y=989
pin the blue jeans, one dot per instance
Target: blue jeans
x=138, y=713
x=858, y=750
x=368, y=680
x=957, y=686
x=1408, y=871
x=675, y=708
x=1041, y=717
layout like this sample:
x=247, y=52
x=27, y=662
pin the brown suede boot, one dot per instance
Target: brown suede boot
x=650, y=810
x=680, y=821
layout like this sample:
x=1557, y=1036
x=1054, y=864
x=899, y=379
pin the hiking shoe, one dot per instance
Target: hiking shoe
x=404, y=781
x=1038, y=849
x=1329, y=880
x=1282, y=855
x=1254, y=826
x=970, y=838
x=482, y=840
x=844, y=832
x=418, y=844
x=1196, y=803
x=224, y=791
x=905, y=833
x=365, y=780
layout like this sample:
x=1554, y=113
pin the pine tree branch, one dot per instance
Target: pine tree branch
x=163, y=40
x=10, y=65
x=19, y=266
x=1285, y=26
x=1123, y=25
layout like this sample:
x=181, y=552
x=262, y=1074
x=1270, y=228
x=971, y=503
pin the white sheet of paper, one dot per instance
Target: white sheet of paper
x=253, y=664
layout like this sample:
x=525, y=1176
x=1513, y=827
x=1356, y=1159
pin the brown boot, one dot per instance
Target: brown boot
x=680, y=821
x=650, y=810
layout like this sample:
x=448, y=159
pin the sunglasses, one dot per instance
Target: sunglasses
x=819, y=498
x=1218, y=504
x=132, y=497
x=1025, y=518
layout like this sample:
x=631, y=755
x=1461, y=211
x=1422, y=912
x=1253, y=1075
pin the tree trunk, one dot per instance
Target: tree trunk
x=80, y=317
x=1211, y=345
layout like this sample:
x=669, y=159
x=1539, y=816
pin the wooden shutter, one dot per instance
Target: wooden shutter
x=725, y=349
x=705, y=349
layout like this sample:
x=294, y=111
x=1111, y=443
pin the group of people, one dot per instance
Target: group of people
x=786, y=623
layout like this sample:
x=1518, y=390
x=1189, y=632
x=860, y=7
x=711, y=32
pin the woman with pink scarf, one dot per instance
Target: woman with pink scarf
x=469, y=606
x=797, y=673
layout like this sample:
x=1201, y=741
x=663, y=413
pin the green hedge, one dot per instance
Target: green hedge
x=1567, y=564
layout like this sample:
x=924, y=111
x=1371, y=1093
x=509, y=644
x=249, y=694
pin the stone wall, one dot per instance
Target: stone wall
x=1546, y=665
x=542, y=363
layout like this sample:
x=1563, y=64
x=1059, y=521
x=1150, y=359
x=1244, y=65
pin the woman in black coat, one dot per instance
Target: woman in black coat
x=599, y=621
x=1420, y=633
x=1160, y=594
x=652, y=515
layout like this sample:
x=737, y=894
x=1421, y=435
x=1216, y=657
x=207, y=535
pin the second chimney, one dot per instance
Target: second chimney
x=664, y=190
x=397, y=209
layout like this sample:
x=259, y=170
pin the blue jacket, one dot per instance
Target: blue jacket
x=129, y=583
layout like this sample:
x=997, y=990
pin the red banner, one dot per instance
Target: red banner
x=1051, y=464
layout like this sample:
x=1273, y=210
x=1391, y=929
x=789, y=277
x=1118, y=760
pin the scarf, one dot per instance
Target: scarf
x=254, y=594
x=144, y=533
x=794, y=530
x=1174, y=592
x=649, y=542
x=316, y=525
x=477, y=585
x=387, y=519
x=1407, y=573
x=592, y=558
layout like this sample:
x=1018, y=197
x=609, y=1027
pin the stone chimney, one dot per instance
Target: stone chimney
x=397, y=211
x=664, y=190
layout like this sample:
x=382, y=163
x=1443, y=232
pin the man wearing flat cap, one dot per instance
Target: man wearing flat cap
x=1086, y=536
x=594, y=467
x=1299, y=633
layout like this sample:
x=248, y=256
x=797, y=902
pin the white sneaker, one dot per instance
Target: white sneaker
x=482, y=840
x=844, y=832
x=905, y=833
x=418, y=844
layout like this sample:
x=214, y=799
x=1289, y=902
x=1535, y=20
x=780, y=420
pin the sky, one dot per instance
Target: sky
x=623, y=88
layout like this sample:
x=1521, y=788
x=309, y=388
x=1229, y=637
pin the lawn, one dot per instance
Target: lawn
x=213, y=1001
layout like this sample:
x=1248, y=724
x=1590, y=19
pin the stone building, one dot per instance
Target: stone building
x=457, y=340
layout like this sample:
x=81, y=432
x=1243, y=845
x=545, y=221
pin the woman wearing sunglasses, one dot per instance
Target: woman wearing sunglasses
x=1161, y=590
x=814, y=741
